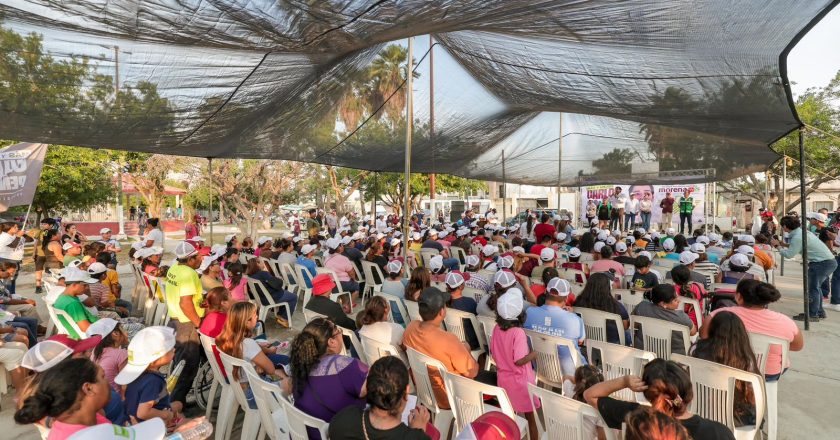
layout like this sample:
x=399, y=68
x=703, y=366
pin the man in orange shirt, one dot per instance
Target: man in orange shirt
x=429, y=338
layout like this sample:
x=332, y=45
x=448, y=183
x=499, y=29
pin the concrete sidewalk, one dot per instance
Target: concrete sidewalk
x=809, y=393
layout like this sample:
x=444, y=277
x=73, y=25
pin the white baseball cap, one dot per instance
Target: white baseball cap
x=102, y=327
x=198, y=238
x=489, y=250
x=616, y=233
x=394, y=266
x=433, y=232
x=69, y=245
x=574, y=252
x=547, y=254
x=668, y=244
x=307, y=249
x=206, y=262
x=698, y=248
x=152, y=429
x=688, y=257
x=510, y=305
x=561, y=236
x=670, y=231
x=346, y=240
x=602, y=236
x=472, y=260
x=504, y=278
x=333, y=243
x=598, y=246
x=645, y=254
x=610, y=241
x=104, y=231
x=436, y=263
x=702, y=239
x=260, y=241
x=621, y=247
x=505, y=262
x=97, y=268
x=713, y=238
x=518, y=250
x=229, y=237
x=749, y=239
x=454, y=280
x=462, y=232
x=739, y=260
x=76, y=275
x=561, y=286
x=746, y=250
x=416, y=236
x=184, y=250
x=147, y=346
x=395, y=241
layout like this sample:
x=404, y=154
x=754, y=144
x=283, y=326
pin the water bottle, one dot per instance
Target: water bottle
x=172, y=378
x=197, y=429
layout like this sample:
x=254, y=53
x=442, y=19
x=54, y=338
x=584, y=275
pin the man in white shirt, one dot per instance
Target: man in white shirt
x=380, y=223
x=631, y=208
x=112, y=246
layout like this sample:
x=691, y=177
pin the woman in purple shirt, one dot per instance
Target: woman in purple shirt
x=323, y=381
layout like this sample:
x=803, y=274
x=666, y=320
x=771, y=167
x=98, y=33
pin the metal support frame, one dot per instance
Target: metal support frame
x=783, y=200
x=409, y=123
x=210, y=215
x=803, y=210
x=559, y=159
x=504, y=190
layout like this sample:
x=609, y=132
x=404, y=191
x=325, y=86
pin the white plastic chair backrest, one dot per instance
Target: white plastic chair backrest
x=420, y=365
x=473, y=293
x=574, y=275
x=695, y=308
x=369, y=268
x=564, y=417
x=440, y=285
x=487, y=324
x=427, y=254
x=209, y=346
x=267, y=396
x=486, y=274
x=549, y=368
x=332, y=274
x=230, y=363
x=629, y=298
x=595, y=323
x=667, y=263
x=288, y=275
x=299, y=421
x=458, y=252
x=761, y=345
x=413, y=310
x=398, y=303
x=354, y=340
x=259, y=293
x=309, y=315
x=618, y=361
x=723, y=287
x=657, y=335
x=160, y=316
x=466, y=398
x=455, y=321
x=67, y=324
x=374, y=350
x=714, y=391
x=300, y=281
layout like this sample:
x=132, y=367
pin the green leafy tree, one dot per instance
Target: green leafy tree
x=73, y=179
x=616, y=161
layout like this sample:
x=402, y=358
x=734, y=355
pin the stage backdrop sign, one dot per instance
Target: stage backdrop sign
x=656, y=192
x=20, y=171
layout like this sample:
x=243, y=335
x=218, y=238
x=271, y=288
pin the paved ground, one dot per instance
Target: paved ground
x=809, y=393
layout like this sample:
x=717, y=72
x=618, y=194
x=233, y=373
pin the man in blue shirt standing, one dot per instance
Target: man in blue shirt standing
x=552, y=319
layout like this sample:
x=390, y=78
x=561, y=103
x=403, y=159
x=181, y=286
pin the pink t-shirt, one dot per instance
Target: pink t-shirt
x=770, y=323
x=697, y=292
x=212, y=326
x=341, y=265
x=604, y=265
x=508, y=347
x=237, y=293
x=112, y=361
x=61, y=431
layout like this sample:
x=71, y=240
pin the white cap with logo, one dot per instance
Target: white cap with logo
x=510, y=305
x=147, y=346
x=504, y=278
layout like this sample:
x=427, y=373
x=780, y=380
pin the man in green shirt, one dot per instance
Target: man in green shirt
x=312, y=224
x=72, y=252
x=183, y=299
x=76, y=283
x=686, y=206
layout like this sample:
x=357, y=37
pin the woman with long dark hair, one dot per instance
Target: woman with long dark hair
x=664, y=305
x=680, y=244
x=597, y=294
x=728, y=343
x=51, y=244
x=420, y=279
x=587, y=242
x=324, y=381
x=275, y=288
x=236, y=281
x=373, y=322
x=681, y=275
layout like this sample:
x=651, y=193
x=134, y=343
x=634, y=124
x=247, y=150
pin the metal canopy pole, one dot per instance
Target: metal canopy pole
x=804, y=230
x=432, y=177
x=714, y=205
x=409, y=116
x=559, y=159
x=783, y=206
x=504, y=190
x=210, y=216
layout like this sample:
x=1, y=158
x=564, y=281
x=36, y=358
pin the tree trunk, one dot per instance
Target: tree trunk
x=362, y=202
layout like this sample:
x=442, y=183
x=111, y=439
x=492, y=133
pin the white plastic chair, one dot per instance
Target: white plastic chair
x=458, y=253
x=595, y=324
x=487, y=324
x=619, y=361
x=466, y=398
x=354, y=341
x=304, y=292
x=761, y=345
x=549, y=368
x=251, y=426
x=473, y=293
x=335, y=296
x=288, y=276
x=399, y=304
x=427, y=254
x=259, y=293
x=420, y=365
x=65, y=325
x=564, y=417
x=413, y=310
x=268, y=398
x=299, y=421
x=374, y=350
x=371, y=271
x=309, y=315
x=695, y=308
x=657, y=335
x=714, y=393
x=629, y=298
x=455, y=321
x=226, y=412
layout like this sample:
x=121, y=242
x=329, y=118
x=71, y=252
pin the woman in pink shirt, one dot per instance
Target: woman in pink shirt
x=344, y=269
x=753, y=297
x=73, y=394
x=236, y=282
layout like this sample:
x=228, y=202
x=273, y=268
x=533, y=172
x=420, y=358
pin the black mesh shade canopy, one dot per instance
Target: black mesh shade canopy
x=698, y=87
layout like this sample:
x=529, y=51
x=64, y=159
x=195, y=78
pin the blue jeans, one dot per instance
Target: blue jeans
x=646, y=220
x=685, y=219
x=451, y=263
x=31, y=326
x=123, y=303
x=115, y=409
x=284, y=297
x=835, y=283
x=818, y=272
x=629, y=220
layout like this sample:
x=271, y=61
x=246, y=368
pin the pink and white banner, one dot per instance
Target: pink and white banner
x=656, y=193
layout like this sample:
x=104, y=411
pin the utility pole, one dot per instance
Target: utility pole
x=120, y=208
x=559, y=159
x=409, y=119
x=432, y=189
